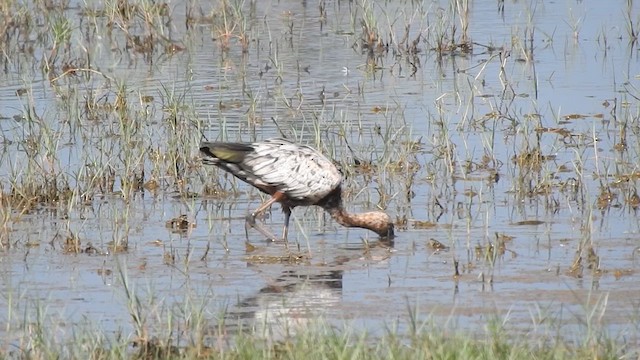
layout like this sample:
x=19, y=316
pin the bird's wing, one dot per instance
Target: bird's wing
x=298, y=171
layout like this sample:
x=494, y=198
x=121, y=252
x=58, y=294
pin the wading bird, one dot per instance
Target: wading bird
x=294, y=175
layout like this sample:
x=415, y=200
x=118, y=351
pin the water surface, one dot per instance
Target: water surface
x=501, y=152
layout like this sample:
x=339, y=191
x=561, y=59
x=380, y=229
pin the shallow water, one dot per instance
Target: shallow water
x=468, y=115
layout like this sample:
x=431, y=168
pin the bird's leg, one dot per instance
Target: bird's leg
x=250, y=220
x=285, y=231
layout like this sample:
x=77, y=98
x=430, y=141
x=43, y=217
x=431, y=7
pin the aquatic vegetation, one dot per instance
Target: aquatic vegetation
x=500, y=138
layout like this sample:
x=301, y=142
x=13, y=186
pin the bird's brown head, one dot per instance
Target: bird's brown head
x=376, y=221
x=383, y=226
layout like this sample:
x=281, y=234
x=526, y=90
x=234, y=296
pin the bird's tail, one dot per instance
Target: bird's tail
x=217, y=152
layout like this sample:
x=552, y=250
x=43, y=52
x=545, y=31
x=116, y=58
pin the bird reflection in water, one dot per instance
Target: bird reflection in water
x=293, y=302
x=302, y=294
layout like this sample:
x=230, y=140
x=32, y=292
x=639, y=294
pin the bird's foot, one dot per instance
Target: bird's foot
x=296, y=257
x=249, y=247
x=250, y=222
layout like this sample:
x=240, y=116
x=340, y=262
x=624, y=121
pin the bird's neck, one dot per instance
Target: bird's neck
x=332, y=203
x=344, y=218
x=360, y=220
x=370, y=220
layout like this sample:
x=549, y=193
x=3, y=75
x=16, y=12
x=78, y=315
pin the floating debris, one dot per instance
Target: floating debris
x=528, y=222
x=437, y=245
x=180, y=224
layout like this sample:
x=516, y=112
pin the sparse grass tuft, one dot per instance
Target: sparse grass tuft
x=319, y=340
